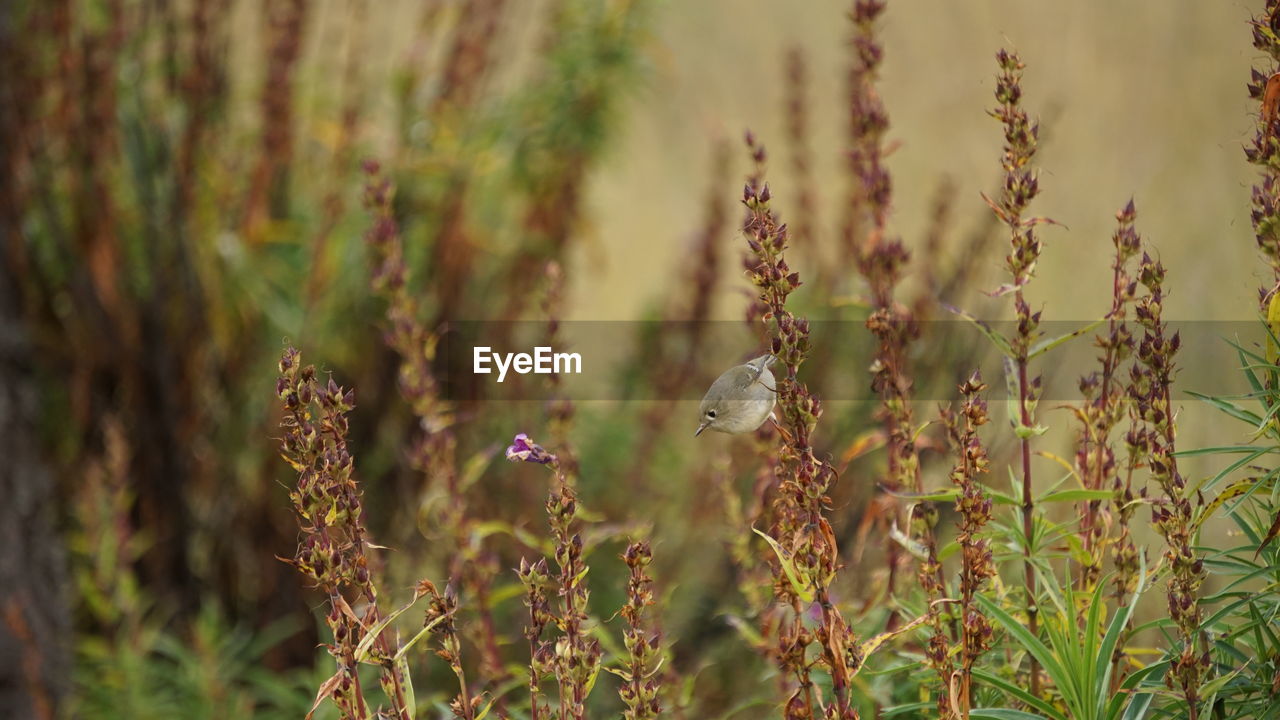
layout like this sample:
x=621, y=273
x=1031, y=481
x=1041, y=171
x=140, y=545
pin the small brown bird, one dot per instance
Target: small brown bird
x=740, y=400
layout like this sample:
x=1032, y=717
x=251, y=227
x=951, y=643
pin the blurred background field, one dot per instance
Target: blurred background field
x=184, y=192
x=1136, y=99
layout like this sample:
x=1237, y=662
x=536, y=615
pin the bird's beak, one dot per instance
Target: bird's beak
x=701, y=427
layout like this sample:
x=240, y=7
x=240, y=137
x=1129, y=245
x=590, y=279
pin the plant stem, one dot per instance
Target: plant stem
x=1028, y=519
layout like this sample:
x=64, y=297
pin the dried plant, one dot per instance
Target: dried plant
x=641, y=684
x=332, y=553
x=285, y=19
x=801, y=533
x=1173, y=514
x=869, y=190
x=977, y=567
x=881, y=261
x=433, y=451
x=574, y=657
x=1264, y=151
x=1101, y=412
x=1021, y=185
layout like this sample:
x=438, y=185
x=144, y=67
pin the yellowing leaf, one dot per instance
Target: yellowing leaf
x=788, y=567
x=1273, y=322
x=875, y=643
x=1232, y=491
x=326, y=689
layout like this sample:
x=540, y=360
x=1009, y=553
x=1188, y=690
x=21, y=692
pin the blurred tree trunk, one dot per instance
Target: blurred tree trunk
x=34, y=619
x=35, y=627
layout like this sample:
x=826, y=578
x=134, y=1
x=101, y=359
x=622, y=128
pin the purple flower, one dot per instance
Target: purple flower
x=522, y=449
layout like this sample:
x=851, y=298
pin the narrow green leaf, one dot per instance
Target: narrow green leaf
x=1076, y=495
x=1018, y=693
x=1032, y=644
x=1003, y=714
x=1045, y=346
x=418, y=636
x=366, y=642
x=1116, y=630
x=996, y=338
x=939, y=496
x=1138, y=706
x=904, y=709
x=410, y=700
x=1229, y=408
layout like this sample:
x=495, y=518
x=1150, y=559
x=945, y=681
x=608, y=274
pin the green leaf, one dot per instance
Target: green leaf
x=591, y=680
x=1116, y=631
x=1000, y=498
x=1076, y=495
x=996, y=338
x=1223, y=450
x=1026, y=432
x=474, y=468
x=1003, y=714
x=938, y=496
x=1247, y=459
x=1138, y=706
x=366, y=642
x=869, y=646
x=904, y=709
x=1045, y=346
x=410, y=700
x=788, y=567
x=420, y=634
x=948, y=550
x=1018, y=693
x=1032, y=644
x=1139, y=702
x=1229, y=408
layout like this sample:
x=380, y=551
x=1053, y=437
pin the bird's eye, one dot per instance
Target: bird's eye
x=711, y=414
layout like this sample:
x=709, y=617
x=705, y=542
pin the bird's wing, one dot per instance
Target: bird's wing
x=751, y=373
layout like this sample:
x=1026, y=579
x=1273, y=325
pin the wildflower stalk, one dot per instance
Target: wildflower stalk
x=1138, y=444
x=575, y=657
x=439, y=617
x=535, y=577
x=807, y=545
x=1020, y=187
x=881, y=261
x=869, y=181
x=285, y=20
x=640, y=682
x=1264, y=150
x=1173, y=514
x=1103, y=405
x=974, y=508
x=433, y=451
x=331, y=553
x=333, y=205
